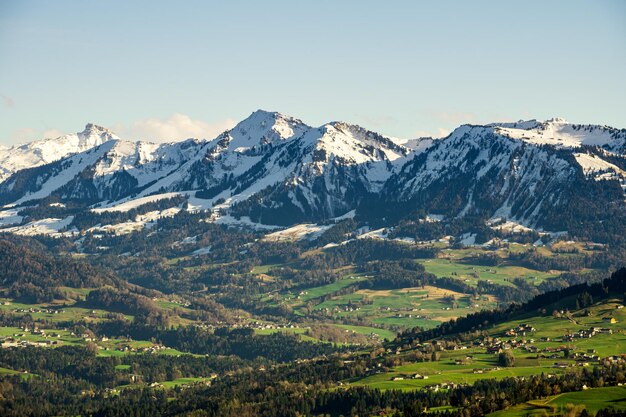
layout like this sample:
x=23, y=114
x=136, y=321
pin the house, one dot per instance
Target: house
x=561, y=365
x=494, y=349
x=510, y=332
x=610, y=320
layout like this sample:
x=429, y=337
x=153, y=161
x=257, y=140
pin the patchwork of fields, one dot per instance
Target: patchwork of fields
x=346, y=301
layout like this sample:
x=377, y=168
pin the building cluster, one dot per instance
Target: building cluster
x=586, y=333
x=259, y=325
x=32, y=310
x=18, y=339
x=521, y=330
x=145, y=349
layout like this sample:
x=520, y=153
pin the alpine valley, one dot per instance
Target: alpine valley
x=281, y=269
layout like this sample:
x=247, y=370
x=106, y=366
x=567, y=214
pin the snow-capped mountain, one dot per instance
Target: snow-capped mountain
x=276, y=169
x=561, y=134
x=317, y=171
x=530, y=171
x=44, y=151
x=478, y=168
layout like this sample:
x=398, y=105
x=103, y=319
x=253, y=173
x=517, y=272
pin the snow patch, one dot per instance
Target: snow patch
x=508, y=226
x=48, y=227
x=374, y=234
x=557, y=132
x=348, y=215
x=202, y=251
x=141, y=221
x=467, y=239
x=9, y=217
x=591, y=164
x=133, y=204
x=297, y=232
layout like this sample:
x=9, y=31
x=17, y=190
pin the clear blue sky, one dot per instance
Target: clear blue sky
x=402, y=68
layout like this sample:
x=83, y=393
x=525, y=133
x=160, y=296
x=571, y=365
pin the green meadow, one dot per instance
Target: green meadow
x=591, y=400
x=475, y=363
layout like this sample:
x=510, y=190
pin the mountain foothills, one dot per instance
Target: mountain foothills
x=285, y=270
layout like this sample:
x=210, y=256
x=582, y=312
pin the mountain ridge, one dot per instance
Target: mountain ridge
x=275, y=169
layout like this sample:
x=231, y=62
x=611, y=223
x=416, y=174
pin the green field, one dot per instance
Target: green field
x=64, y=337
x=23, y=376
x=592, y=400
x=385, y=381
x=365, y=330
x=408, y=308
x=264, y=269
x=295, y=330
x=555, y=328
x=318, y=292
x=298, y=299
x=471, y=273
x=402, y=308
x=169, y=384
x=447, y=371
x=67, y=311
x=183, y=381
x=472, y=359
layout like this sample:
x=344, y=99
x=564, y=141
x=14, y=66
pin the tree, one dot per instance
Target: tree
x=506, y=358
x=584, y=300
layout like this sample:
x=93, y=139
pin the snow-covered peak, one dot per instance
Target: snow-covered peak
x=96, y=133
x=520, y=124
x=56, y=148
x=45, y=151
x=530, y=124
x=263, y=128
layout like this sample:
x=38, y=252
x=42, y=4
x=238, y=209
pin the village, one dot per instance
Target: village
x=37, y=337
x=529, y=343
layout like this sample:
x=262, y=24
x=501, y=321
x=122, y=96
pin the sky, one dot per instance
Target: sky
x=157, y=70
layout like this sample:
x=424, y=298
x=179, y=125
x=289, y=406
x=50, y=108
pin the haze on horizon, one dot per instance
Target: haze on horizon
x=158, y=71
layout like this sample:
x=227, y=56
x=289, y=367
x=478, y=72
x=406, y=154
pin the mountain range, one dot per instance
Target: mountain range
x=275, y=170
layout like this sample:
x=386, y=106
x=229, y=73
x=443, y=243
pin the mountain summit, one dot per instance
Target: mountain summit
x=45, y=151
